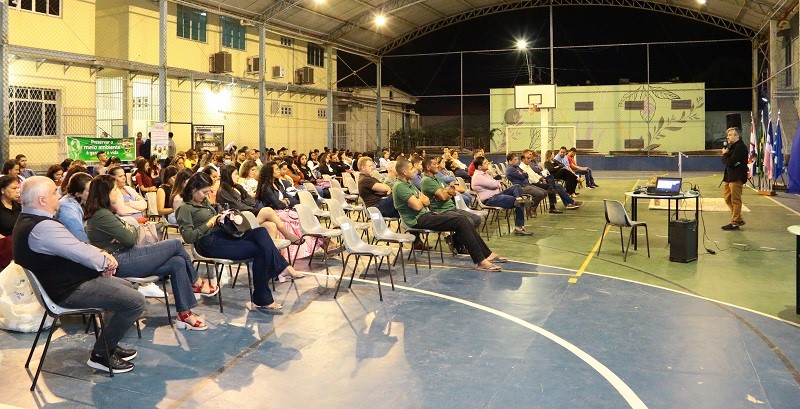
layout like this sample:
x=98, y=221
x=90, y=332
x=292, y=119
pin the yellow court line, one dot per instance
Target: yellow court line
x=591, y=254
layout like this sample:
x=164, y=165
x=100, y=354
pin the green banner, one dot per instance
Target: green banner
x=86, y=148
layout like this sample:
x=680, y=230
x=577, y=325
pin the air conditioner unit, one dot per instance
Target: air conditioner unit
x=252, y=65
x=278, y=71
x=220, y=62
x=304, y=75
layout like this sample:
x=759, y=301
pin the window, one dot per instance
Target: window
x=681, y=104
x=33, y=112
x=286, y=110
x=322, y=113
x=634, y=105
x=233, y=33
x=191, y=23
x=49, y=7
x=584, y=105
x=316, y=55
x=287, y=41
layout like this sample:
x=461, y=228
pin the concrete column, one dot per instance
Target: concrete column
x=378, y=107
x=329, y=95
x=262, y=92
x=162, y=61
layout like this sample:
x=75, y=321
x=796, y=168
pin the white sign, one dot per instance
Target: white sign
x=159, y=139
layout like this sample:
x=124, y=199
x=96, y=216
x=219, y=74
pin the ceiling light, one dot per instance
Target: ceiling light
x=701, y=1
x=380, y=20
x=319, y=1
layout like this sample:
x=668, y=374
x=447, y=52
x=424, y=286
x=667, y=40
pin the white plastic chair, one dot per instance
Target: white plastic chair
x=381, y=232
x=336, y=210
x=494, y=210
x=219, y=266
x=355, y=247
x=339, y=196
x=152, y=206
x=484, y=214
x=616, y=215
x=311, y=227
x=308, y=200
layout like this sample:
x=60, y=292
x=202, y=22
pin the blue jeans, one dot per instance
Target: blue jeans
x=560, y=190
x=506, y=199
x=122, y=304
x=386, y=207
x=255, y=244
x=160, y=259
x=589, y=177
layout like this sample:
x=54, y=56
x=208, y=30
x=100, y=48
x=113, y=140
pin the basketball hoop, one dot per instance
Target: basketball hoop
x=533, y=108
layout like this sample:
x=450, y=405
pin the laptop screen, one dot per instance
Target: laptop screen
x=668, y=185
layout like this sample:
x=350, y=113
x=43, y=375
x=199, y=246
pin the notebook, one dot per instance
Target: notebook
x=668, y=186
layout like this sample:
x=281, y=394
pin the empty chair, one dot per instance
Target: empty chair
x=311, y=227
x=351, y=185
x=308, y=200
x=339, y=196
x=616, y=215
x=355, y=247
x=484, y=214
x=381, y=232
x=56, y=311
x=336, y=210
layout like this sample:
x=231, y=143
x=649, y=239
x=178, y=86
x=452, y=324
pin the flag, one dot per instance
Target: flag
x=794, y=165
x=768, y=152
x=777, y=150
x=752, y=157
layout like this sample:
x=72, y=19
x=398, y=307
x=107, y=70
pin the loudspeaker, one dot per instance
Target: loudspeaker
x=733, y=121
x=683, y=240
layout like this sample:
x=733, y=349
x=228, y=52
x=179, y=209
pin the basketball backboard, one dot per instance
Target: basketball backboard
x=542, y=95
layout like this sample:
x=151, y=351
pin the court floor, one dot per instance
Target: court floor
x=453, y=337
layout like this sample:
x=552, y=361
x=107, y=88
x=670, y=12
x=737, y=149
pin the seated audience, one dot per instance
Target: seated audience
x=489, y=192
x=271, y=192
x=108, y=232
x=199, y=225
x=24, y=171
x=384, y=159
x=163, y=202
x=144, y=179
x=543, y=179
x=561, y=172
x=55, y=173
x=519, y=177
x=11, y=168
x=248, y=177
x=70, y=206
x=100, y=168
x=175, y=195
x=580, y=170
x=441, y=196
x=9, y=213
x=75, y=274
x=413, y=208
x=68, y=174
x=373, y=192
x=125, y=200
x=476, y=154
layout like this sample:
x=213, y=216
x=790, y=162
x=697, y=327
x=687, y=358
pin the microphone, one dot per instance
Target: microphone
x=725, y=144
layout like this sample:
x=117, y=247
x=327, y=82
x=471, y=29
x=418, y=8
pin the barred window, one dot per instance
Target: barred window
x=192, y=23
x=33, y=112
x=49, y=7
x=233, y=33
x=287, y=41
x=316, y=55
x=286, y=110
x=322, y=113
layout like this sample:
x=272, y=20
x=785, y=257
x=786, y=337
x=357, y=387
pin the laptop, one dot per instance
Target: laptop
x=667, y=186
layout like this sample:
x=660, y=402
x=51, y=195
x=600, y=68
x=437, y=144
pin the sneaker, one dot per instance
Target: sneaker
x=577, y=203
x=519, y=201
x=123, y=353
x=730, y=226
x=573, y=206
x=555, y=211
x=590, y=187
x=595, y=185
x=151, y=291
x=740, y=223
x=117, y=364
x=522, y=232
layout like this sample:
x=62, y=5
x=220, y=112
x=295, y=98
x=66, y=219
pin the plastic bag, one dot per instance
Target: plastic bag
x=19, y=309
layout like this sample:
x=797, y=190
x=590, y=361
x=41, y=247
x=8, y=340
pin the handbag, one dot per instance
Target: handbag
x=233, y=223
x=146, y=233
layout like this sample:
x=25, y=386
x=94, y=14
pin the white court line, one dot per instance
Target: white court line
x=627, y=393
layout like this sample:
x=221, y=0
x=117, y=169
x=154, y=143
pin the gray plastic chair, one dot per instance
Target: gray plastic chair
x=484, y=214
x=56, y=311
x=310, y=226
x=339, y=195
x=280, y=244
x=355, y=247
x=336, y=210
x=494, y=215
x=381, y=232
x=308, y=200
x=219, y=266
x=616, y=215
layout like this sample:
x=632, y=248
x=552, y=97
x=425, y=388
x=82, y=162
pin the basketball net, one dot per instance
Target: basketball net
x=533, y=108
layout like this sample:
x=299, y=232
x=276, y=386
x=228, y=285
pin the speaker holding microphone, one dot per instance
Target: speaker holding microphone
x=733, y=121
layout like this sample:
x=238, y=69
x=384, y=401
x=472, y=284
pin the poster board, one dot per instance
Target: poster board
x=86, y=147
x=159, y=140
x=208, y=137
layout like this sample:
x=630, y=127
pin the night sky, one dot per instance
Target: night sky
x=724, y=64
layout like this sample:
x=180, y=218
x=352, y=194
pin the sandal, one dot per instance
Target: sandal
x=498, y=259
x=489, y=268
x=181, y=322
x=198, y=289
x=272, y=307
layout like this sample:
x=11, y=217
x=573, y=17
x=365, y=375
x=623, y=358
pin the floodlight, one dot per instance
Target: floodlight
x=380, y=20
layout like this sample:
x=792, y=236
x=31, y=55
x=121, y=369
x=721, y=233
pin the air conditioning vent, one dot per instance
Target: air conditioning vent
x=252, y=65
x=220, y=62
x=304, y=75
x=278, y=71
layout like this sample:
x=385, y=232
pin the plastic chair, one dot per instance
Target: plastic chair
x=336, y=210
x=381, y=232
x=152, y=206
x=494, y=214
x=426, y=234
x=308, y=200
x=484, y=214
x=280, y=244
x=339, y=196
x=151, y=280
x=351, y=185
x=355, y=247
x=219, y=266
x=56, y=311
x=311, y=227
x=166, y=226
x=616, y=215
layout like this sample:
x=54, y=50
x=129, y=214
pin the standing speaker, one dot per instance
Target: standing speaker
x=733, y=121
x=683, y=240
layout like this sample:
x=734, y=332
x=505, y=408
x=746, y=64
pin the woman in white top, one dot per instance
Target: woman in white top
x=124, y=199
x=248, y=177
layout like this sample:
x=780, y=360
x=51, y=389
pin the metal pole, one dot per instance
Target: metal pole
x=648, y=63
x=262, y=92
x=754, y=81
x=378, y=108
x=528, y=64
x=329, y=96
x=552, y=63
x=162, y=61
x=4, y=145
x=461, y=97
